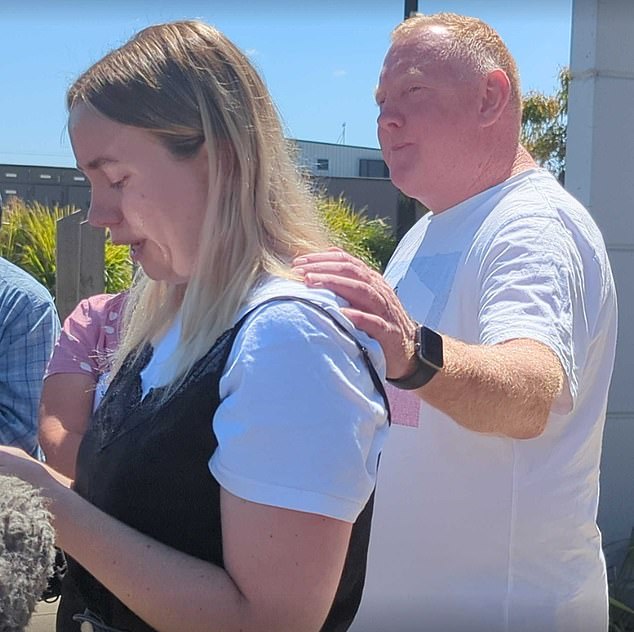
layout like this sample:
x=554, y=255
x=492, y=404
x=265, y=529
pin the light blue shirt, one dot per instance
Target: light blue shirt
x=29, y=327
x=300, y=423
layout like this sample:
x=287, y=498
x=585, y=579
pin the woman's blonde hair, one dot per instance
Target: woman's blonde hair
x=187, y=84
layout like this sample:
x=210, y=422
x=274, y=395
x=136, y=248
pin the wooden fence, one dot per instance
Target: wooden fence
x=80, y=261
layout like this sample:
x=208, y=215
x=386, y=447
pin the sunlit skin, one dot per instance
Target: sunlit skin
x=438, y=123
x=147, y=198
x=426, y=119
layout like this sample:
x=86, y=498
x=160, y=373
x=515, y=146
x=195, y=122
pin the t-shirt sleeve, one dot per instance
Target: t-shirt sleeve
x=532, y=287
x=300, y=424
x=89, y=334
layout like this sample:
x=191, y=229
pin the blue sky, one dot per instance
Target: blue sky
x=320, y=58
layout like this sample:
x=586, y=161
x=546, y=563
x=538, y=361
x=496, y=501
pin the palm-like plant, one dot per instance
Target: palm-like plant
x=370, y=240
x=118, y=269
x=28, y=239
x=29, y=231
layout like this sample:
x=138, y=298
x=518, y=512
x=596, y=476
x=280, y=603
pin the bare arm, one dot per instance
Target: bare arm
x=65, y=409
x=506, y=389
x=282, y=566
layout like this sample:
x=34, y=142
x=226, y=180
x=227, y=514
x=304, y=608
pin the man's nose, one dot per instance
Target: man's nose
x=389, y=118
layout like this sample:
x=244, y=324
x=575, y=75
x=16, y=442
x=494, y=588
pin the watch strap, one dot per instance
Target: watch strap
x=420, y=377
x=425, y=369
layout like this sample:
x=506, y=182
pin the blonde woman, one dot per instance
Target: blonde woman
x=225, y=481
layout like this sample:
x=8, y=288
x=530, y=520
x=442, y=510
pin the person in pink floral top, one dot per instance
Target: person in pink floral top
x=76, y=377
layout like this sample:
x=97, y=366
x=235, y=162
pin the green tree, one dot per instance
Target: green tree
x=544, y=122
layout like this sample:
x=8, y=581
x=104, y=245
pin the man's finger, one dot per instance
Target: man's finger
x=332, y=254
x=334, y=268
x=373, y=325
x=359, y=294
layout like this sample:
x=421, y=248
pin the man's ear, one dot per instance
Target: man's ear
x=495, y=96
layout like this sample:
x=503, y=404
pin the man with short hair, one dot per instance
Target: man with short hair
x=499, y=338
x=29, y=327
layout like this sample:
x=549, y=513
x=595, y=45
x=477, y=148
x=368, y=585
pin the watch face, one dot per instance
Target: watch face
x=430, y=347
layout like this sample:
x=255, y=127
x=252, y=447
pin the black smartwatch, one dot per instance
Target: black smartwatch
x=429, y=360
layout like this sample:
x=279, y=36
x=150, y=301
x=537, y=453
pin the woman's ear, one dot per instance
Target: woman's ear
x=495, y=97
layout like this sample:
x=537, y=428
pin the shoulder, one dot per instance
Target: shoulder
x=538, y=214
x=17, y=285
x=282, y=311
x=537, y=195
x=97, y=309
x=301, y=419
x=277, y=302
x=114, y=302
x=520, y=200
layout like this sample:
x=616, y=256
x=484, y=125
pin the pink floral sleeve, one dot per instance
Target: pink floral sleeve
x=89, y=335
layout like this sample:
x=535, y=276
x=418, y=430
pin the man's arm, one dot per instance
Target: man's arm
x=26, y=344
x=505, y=389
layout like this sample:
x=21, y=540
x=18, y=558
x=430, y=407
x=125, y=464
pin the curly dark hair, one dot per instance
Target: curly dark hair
x=27, y=551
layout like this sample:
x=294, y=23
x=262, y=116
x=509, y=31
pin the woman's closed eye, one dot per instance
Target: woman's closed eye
x=120, y=183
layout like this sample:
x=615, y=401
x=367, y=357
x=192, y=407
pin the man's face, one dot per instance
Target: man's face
x=427, y=120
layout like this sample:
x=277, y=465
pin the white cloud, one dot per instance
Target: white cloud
x=340, y=72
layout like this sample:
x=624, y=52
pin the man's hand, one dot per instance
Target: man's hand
x=374, y=307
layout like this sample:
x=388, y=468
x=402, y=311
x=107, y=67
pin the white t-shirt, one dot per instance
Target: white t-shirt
x=300, y=424
x=475, y=532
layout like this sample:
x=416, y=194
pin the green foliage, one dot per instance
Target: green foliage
x=118, y=270
x=621, y=589
x=28, y=236
x=29, y=231
x=370, y=240
x=544, y=123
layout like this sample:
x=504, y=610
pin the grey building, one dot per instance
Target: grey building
x=359, y=174
x=52, y=186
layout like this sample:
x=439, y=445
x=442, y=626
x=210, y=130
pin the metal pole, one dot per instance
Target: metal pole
x=411, y=6
x=406, y=208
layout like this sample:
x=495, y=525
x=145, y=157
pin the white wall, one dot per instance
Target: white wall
x=600, y=173
x=343, y=160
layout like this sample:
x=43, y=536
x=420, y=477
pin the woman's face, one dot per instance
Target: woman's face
x=148, y=199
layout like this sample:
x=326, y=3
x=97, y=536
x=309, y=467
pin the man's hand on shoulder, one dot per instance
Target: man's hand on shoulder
x=506, y=389
x=374, y=307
